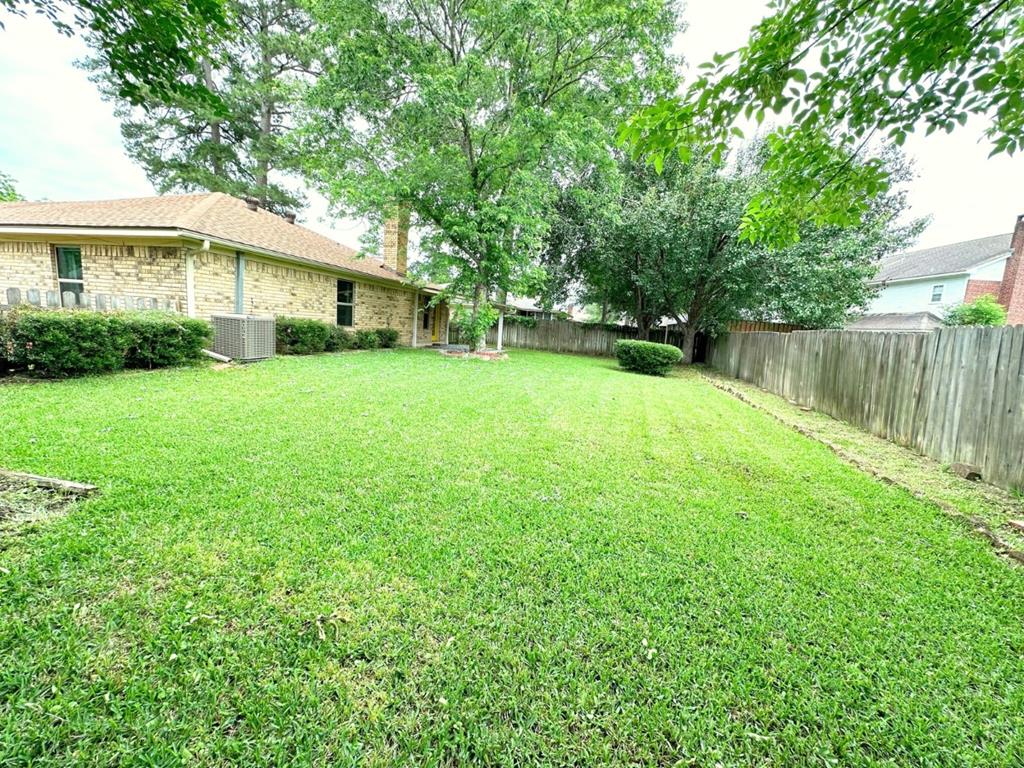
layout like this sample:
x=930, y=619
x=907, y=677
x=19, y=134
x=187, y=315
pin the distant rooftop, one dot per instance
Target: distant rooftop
x=944, y=259
x=896, y=321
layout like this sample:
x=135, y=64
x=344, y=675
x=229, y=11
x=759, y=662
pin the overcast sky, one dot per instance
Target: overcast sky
x=60, y=141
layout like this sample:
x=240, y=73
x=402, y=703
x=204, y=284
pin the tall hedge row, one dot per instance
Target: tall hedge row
x=61, y=343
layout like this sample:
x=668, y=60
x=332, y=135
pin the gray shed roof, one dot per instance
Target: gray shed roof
x=944, y=259
x=896, y=321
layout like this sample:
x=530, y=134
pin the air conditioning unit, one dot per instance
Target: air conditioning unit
x=244, y=337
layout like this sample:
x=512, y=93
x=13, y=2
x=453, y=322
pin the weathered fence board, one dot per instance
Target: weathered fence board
x=956, y=394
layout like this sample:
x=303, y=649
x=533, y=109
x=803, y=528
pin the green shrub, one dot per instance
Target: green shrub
x=160, y=339
x=388, y=337
x=59, y=343
x=984, y=310
x=298, y=336
x=339, y=340
x=367, y=339
x=646, y=356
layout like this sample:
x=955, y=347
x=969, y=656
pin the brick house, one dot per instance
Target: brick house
x=915, y=288
x=209, y=254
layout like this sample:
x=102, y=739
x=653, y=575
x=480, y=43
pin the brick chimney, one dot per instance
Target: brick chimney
x=396, y=239
x=1011, y=291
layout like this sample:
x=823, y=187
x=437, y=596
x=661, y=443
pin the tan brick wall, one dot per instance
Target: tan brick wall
x=26, y=265
x=156, y=272
x=276, y=289
x=214, y=283
x=379, y=306
x=153, y=272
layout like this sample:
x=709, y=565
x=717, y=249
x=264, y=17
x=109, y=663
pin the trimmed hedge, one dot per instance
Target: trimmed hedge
x=161, y=339
x=298, y=336
x=340, y=340
x=61, y=343
x=388, y=337
x=647, y=356
x=367, y=340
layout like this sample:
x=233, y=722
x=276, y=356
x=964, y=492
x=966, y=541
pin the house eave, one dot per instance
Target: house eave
x=917, y=278
x=192, y=236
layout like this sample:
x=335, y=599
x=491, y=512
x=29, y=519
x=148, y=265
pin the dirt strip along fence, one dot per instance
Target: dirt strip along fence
x=956, y=394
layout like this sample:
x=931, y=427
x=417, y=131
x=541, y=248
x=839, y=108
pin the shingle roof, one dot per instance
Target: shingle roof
x=214, y=215
x=944, y=259
x=896, y=321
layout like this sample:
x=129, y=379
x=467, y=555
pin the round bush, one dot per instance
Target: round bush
x=367, y=339
x=299, y=336
x=647, y=356
x=388, y=337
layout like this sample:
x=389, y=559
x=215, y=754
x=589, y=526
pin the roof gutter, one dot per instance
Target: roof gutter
x=917, y=277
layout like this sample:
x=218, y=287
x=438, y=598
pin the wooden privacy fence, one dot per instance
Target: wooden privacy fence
x=956, y=394
x=84, y=300
x=583, y=338
x=570, y=336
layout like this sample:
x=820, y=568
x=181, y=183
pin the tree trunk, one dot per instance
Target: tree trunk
x=479, y=297
x=689, y=337
x=266, y=114
x=215, y=134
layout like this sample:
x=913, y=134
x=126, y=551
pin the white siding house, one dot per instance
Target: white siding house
x=917, y=287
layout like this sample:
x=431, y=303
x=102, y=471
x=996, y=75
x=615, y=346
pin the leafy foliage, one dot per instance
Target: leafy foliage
x=984, y=310
x=843, y=73
x=339, y=340
x=473, y=322
x=8, y=192
x=388, y=337
x=646, y=356
x=236, y=145
x=61, y=343
x=669, y=244
x=161, y=339
x=149, y=47
x=470, y=113
x=366, y=339
x=302, y=336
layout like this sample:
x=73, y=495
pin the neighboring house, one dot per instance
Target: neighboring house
x=917, y=287
x=210, y=254
x=520, y=307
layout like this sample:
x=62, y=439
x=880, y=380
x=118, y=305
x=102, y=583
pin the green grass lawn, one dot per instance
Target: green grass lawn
x=395, y=558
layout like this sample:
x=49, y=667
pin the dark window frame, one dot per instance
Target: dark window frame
x=74, y=284
x=349, y=306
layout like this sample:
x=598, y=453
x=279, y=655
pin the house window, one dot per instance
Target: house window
x=937, y=293
x=346, y=302
x=426, y=313
x=69, y=272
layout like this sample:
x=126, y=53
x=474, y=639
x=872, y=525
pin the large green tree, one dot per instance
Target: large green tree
x=839, y=74
x=147, y=46
x=236, y=144
x=668, y=244
x=471, y=112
